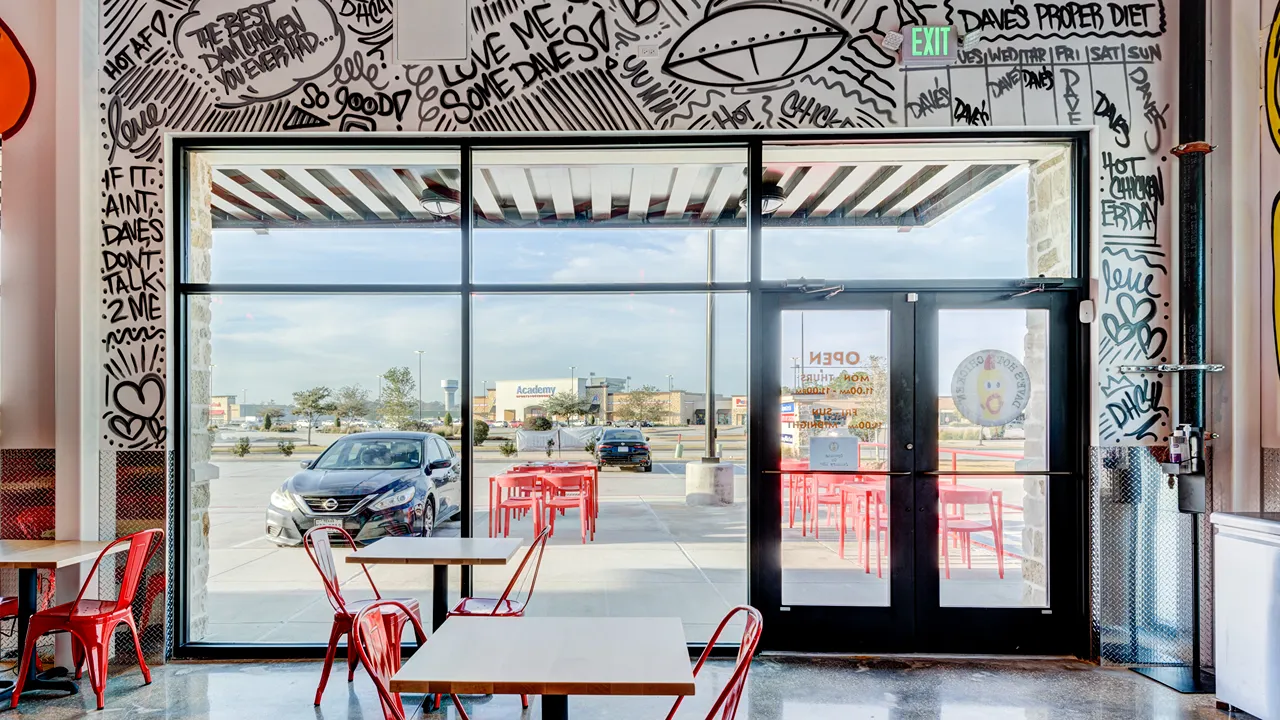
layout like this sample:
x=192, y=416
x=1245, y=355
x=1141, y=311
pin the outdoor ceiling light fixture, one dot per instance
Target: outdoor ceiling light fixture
x=438, y=204
x=771, y=198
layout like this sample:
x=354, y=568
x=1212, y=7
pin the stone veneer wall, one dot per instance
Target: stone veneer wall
x=199, y=360
x=1048, y=254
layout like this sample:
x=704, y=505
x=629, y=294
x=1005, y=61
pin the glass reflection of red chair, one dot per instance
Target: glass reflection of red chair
x=965, y=527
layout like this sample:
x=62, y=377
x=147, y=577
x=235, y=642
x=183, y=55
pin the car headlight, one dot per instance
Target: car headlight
x=282, y=500
x=394, y=499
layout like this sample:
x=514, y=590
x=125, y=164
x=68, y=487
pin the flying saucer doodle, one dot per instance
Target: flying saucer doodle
x=753, y=42
x=18, y=91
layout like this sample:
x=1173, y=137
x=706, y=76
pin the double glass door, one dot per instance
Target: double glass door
x=923, y=492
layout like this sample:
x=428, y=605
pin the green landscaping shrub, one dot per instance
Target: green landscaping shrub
x=507, y=448
x=241, y=448
x=286, y=447
x=479, y=432
x=540, y=423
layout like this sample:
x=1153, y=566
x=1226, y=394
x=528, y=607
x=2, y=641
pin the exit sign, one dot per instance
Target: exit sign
x=924, y=45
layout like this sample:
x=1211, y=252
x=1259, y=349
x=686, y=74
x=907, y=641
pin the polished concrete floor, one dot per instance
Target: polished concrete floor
x=779, y=687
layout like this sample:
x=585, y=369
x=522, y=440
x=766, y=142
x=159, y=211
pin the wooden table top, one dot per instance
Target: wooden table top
x=552, y=656
x=437, y=551
x=52, y=554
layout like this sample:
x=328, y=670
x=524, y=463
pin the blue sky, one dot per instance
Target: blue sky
x=270, y=346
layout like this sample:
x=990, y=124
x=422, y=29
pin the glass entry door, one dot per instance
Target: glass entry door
x=921, y=493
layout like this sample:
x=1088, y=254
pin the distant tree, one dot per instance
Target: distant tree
x=311, y=404
x=479, y=432
x=566, y=404
x=351, y=402
x=644, y=404
x=397, y=401
x=448, y=418
x=540, y=423
x=270, y=415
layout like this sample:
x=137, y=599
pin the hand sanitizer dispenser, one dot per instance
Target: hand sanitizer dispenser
x=1186, y=467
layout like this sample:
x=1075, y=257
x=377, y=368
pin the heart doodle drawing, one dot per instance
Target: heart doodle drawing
x=144, y=399
x=127, y=428
x=1131, y=322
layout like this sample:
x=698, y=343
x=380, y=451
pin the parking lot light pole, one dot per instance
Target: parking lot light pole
x=420, y=353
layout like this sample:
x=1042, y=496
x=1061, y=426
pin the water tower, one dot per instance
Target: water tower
x=450, y=388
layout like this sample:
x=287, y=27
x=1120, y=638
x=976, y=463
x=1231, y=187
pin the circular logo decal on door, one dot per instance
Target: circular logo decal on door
x=991, y=388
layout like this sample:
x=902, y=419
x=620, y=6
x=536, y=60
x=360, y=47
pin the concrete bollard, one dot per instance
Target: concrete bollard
x=708, y=483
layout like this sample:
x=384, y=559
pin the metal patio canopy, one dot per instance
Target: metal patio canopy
x=874, y=185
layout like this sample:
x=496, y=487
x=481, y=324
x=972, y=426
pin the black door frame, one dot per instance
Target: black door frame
x=915, y=621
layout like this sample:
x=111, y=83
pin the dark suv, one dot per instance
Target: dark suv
x=621, y=447
x=372, y=485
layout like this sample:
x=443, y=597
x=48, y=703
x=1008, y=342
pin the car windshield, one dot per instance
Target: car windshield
x=624, y=436
x=372, y=454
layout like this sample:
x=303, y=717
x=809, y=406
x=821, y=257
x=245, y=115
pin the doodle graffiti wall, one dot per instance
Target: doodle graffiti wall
x=1270, y=202
x=592, y=65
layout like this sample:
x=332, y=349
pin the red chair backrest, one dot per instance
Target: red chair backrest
x=524, y=573
x=517, y=481
x=320, y=550
x=974, y=496
x=726, y=705
x=564, y=482
x=142, y=545
x=379, y=654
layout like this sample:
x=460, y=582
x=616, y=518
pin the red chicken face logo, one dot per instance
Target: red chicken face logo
x=18, y=91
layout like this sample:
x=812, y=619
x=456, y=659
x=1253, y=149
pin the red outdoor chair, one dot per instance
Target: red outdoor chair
x=516, y=492
x=377, y=645
x=316, y=541
x=91, y=623
x=567, y=491
x=726, y=705
x=960, y=496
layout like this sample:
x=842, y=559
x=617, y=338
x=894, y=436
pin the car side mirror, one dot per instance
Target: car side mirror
x=306, y=464
x=439, y=464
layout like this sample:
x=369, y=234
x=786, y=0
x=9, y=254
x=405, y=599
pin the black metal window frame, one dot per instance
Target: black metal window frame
x=181, y=146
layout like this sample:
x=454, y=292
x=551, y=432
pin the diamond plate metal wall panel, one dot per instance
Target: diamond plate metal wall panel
x=27, y=478
x=1140, y=560
x=134, y=489
x=1271, y=479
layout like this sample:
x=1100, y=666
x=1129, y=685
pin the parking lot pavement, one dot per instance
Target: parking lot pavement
x=652, y=554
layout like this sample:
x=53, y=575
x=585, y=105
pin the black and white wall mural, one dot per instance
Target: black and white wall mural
x=617, y=65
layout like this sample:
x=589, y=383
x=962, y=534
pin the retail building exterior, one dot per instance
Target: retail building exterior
x=92, y=273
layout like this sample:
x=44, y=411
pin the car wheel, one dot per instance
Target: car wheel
x=648, y=467
x=428, y=518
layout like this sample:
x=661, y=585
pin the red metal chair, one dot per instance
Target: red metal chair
x=726, y=705
x=377, y=645
x=960, y=496
x=567, y=491
x=316, y=541
x=515, y=492
x=507, y=605
x=91, y=623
